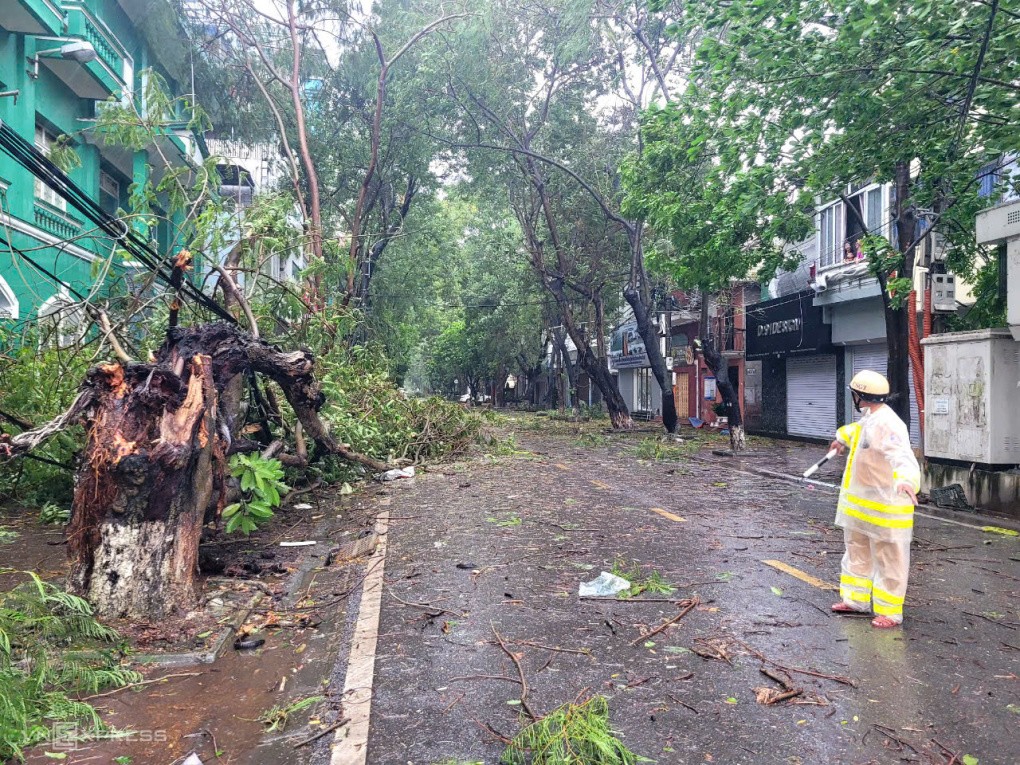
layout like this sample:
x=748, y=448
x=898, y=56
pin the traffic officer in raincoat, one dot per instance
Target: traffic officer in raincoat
x=876, y=504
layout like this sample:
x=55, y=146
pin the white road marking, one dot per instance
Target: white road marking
x=350, y=744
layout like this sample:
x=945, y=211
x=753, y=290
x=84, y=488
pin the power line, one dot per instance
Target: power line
x=29, y=157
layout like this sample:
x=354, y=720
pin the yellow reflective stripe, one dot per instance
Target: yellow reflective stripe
x=880, y=507
x=858, y=581
x=861, y=597
x=885, y=610
x=849, y=469
x=888, y=598
x=890, y=523
x=849, y=432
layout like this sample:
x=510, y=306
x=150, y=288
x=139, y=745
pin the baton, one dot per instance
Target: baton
x=814, y=468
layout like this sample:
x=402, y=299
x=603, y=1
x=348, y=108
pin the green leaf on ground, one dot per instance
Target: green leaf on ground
x=776, y=591
x=969, y=759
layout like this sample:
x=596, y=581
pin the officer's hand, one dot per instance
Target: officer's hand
x=838, y=446
x=907, y=489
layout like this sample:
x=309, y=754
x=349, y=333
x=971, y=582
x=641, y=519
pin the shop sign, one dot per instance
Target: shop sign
x=627, y=349
x=789, y=325
x=710, y=389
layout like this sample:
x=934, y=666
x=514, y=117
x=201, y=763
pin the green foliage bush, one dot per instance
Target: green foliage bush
x=51, y=648
x=261, y=487
x=36, y=384
x=573, y=734
x=367, y=410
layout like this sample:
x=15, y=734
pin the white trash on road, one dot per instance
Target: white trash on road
x=604, y=585
x=396, y=473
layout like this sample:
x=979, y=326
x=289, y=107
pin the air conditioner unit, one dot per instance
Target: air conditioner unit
x=821, y=283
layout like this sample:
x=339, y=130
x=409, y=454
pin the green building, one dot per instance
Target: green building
x=59, y=61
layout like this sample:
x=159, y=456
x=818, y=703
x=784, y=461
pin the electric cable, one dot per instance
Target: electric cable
x=29, y=156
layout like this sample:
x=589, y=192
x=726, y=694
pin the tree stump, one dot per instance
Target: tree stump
x=157, y=440
x=144, y=481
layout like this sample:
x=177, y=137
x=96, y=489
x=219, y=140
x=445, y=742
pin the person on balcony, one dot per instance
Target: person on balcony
x=849, y=252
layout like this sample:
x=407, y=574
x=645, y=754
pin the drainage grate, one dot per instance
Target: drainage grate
x=951, y=496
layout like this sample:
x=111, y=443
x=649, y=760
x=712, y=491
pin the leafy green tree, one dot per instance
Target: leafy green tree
x=809, y=97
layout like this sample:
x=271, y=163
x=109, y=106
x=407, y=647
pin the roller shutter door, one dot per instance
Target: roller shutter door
x=811, y=396
x=876, y=358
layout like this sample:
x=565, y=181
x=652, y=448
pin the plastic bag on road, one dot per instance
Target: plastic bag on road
x=604, y=586
x=393, y=475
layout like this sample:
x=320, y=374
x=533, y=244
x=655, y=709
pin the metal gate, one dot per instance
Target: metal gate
x=682, y=394
x=876, y=358
x=811, y=396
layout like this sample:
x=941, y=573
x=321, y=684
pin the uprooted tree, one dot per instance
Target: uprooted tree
x=156, y=445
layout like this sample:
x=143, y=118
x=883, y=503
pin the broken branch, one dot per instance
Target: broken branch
x=687, y=609
x=520, y=672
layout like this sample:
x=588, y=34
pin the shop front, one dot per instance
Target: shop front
x=858, y=333
x=793, y=380
x=628, y=359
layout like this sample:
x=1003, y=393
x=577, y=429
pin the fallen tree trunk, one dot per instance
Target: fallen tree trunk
x=155, y=453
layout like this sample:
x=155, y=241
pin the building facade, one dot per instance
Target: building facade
x=59, y=62
x=825, y=322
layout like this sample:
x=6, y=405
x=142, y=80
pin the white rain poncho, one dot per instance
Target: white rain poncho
x=879, y=459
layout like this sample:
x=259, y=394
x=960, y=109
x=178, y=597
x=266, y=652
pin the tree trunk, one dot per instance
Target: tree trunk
x=499, y=387
x=145, y=479
x=156, y=444
x=730, y=396
x=569, y=383
x=650, y=336
x=896, y=327
x=619, y=415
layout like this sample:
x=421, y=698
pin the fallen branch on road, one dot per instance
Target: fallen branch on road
x=581, y=651
x=520, y=671
x=483, y=677
x=328, y=729
x=424, y=606
x=769, y=696
x=810, y=672
x=688, y=607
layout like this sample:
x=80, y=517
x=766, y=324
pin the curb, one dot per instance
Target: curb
x=190, y=658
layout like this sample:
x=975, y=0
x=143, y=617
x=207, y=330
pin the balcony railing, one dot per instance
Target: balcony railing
x=56, y=223
x=81, y=23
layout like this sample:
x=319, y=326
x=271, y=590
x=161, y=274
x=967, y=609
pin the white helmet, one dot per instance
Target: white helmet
x=870, y=385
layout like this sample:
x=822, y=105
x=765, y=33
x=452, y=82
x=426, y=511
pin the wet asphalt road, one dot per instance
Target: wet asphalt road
x=528, y=528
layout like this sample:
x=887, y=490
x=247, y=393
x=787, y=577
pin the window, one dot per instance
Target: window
x=831, y=235
x=872, y=207
x=109, y=193
x=61, y=322
x=8, y=302
x=44, y=141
